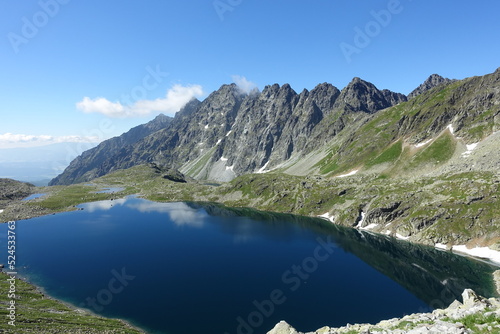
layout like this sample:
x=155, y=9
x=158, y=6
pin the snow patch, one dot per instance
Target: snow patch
x=230, y=168
x=227, y=134
x=218, y=142
x=206, y=126
x=1, y=211
x=388, y=232
x=450, y=127
x=201, y=143
x=363, y=215
x=399, y=236
x=263, y=169
x=327, y=216
x=423, y=143
x=223, y=159
x=481, y=252
x=470, y=148
x=369, y=227
x=349, y=174
x=441, y=246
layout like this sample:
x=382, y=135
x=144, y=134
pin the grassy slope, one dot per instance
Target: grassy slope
x=467, y=104
x=36, y=313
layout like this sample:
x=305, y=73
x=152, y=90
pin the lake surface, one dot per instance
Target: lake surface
x=182, y=268
x=110, y=190
x=33, y=196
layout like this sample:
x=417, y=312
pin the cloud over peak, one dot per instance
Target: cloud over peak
x=244, y=84
x=176, y=98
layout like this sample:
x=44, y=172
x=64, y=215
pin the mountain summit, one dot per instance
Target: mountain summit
x=433, y=81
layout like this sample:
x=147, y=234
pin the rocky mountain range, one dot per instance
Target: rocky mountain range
x=232, y=133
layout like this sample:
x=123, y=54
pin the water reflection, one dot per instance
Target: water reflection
x=179, y=213
x=103, y=205
x=434, y=276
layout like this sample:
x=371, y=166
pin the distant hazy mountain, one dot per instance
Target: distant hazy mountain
x=39, y=164
x=95, y=159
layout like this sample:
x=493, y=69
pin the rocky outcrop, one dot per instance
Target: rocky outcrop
x=12, y=190
x=433, y=81
x=481, y=315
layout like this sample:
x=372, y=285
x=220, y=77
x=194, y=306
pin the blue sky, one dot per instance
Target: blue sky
x=71, y=69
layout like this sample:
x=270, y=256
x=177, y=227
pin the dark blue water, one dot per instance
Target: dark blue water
x=182, y=268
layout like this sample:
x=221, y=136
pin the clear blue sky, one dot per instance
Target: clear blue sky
x=93, y=53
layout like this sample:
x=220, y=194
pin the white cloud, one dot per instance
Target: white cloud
x=101, y=105
x=176, y=98
x=11, y=140
x=244, y=84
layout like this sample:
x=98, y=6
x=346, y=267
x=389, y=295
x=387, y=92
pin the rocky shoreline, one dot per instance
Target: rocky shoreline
x=475, y=315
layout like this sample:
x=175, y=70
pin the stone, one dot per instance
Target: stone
x=283, y=328
x=470, y=298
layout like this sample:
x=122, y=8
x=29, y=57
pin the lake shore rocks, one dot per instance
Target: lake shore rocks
x=474, y=314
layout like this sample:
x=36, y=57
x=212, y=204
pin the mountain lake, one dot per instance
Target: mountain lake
x=183, y=268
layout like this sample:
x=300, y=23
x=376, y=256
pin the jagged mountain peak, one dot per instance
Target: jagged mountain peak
x=359, y=86
x=189, y=108
x=432, y=81
x=277, y=91
x=361, y=95
x=161, y=118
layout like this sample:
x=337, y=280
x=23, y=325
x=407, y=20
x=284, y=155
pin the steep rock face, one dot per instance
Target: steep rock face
x=195, y=131
x=433, y=81
x=88, y=165
x=231, y=133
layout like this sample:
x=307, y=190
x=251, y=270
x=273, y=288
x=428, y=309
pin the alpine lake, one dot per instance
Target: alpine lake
x=183, y=268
